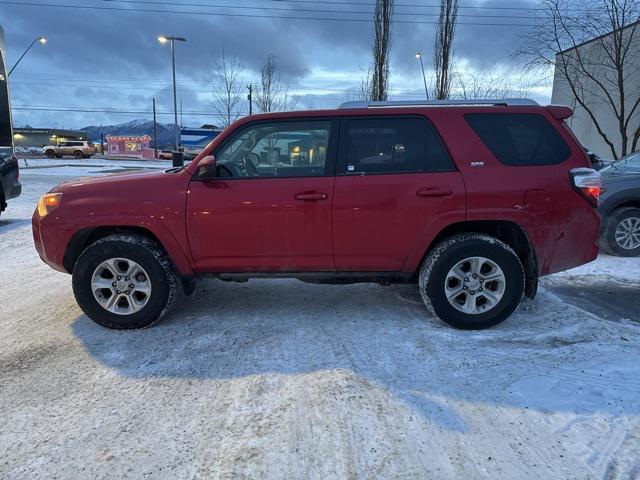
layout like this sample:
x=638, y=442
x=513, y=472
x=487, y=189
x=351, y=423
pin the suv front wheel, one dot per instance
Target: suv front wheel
x=124, y=282
x=621, y=232
x=472, y=281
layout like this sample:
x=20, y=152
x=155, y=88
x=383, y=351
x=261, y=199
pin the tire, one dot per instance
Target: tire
x=78, y=154
x=49, y=154
x=157, y=273
x=499, y=298
x=58, y=156
x=612, y=240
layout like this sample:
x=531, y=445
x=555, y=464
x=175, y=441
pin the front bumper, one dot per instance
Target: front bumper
x=50, y=241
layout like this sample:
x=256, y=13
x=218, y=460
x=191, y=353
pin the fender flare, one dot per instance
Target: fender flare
x=178, y=254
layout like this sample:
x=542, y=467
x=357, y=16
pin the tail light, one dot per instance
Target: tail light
x=588, y=183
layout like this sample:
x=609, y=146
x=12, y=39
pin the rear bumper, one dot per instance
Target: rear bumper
x=12, y=189
x=15, y=190
x=568, y=245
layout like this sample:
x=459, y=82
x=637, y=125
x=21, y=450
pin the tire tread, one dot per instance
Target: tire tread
x=152, y=248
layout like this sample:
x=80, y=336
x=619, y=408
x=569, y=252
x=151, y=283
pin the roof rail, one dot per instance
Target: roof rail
x=504, y=102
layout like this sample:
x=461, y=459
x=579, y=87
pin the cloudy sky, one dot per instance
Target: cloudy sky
x=103, y=64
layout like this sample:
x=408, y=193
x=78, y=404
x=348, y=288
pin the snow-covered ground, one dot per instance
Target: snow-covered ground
x=280, y=379
x=89, y=166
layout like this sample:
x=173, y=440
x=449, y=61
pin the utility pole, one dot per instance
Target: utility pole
x=155, y=131
x=101, y=141
x=250, y=98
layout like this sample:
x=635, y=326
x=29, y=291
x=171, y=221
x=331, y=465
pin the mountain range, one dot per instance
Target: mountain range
x=166, y=131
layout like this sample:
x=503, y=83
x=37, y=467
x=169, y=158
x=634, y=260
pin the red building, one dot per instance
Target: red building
x=128, y=145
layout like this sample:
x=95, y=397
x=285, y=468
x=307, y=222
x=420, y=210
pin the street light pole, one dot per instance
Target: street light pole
x=42, y=41
x=424, y=78
x=172, y=39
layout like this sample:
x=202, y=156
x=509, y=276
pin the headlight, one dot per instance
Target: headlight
x=48, y=203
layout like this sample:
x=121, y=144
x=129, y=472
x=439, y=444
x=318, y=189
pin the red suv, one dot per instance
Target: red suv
x=471, y=201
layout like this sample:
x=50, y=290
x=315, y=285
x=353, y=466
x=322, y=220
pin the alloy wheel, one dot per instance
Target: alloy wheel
x=475, y=285
x=627, y=233
x=121, y=286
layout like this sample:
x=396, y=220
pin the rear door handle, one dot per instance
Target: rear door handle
x=311, y=196
x=431, y=192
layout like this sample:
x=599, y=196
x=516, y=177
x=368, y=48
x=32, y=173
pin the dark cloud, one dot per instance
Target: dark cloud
x=111, y=59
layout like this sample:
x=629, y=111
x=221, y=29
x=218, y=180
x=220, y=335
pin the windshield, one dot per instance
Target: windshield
x=628, y=164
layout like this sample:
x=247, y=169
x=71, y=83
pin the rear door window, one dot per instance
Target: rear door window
x=520, y=139
x=385, y=145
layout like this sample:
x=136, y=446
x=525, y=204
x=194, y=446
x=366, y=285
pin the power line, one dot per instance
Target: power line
x=418, y=5
x=414, y=5
x=297, y=9
x=300, y=92
x=109, y=111
x=241, y=15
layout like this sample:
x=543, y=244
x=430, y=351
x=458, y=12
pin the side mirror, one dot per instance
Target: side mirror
x=207, y=168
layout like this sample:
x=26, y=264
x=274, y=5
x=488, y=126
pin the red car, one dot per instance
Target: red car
x=471, y=201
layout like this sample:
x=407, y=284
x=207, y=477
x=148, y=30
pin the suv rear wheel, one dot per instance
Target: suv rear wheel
x=78, y=154
x=621, y=232
x=472, y=281
x=124, y=282
x=49, y=153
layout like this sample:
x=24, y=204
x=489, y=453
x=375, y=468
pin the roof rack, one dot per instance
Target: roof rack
x=504, y=102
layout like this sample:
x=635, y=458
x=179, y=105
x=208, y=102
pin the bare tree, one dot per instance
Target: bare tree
x=443, y=48
x=596, y=54
x=363, y=91
x=227, y=85
x=382, y=20
x=273, y=94
x=482, y=84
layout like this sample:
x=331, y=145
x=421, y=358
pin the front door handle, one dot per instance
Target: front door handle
x=311, y=196
x=431, y=192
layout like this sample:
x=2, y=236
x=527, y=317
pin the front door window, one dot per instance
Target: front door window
x=282, y=149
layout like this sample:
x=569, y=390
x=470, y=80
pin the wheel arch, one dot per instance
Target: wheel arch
x=625, y=198
x=610, y=209
x=508, y=232
x=87, y=236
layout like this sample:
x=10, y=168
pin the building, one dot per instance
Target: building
x=593, y=54
x=128, y=145
x=40, y=137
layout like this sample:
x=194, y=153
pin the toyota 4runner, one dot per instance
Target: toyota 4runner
x=470, y=201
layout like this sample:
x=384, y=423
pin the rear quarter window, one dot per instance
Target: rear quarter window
x=520, y=140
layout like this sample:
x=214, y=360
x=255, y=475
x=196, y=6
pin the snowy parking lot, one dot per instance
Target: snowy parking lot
x=281, y=379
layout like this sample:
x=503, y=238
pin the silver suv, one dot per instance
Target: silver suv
x=78, y=149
